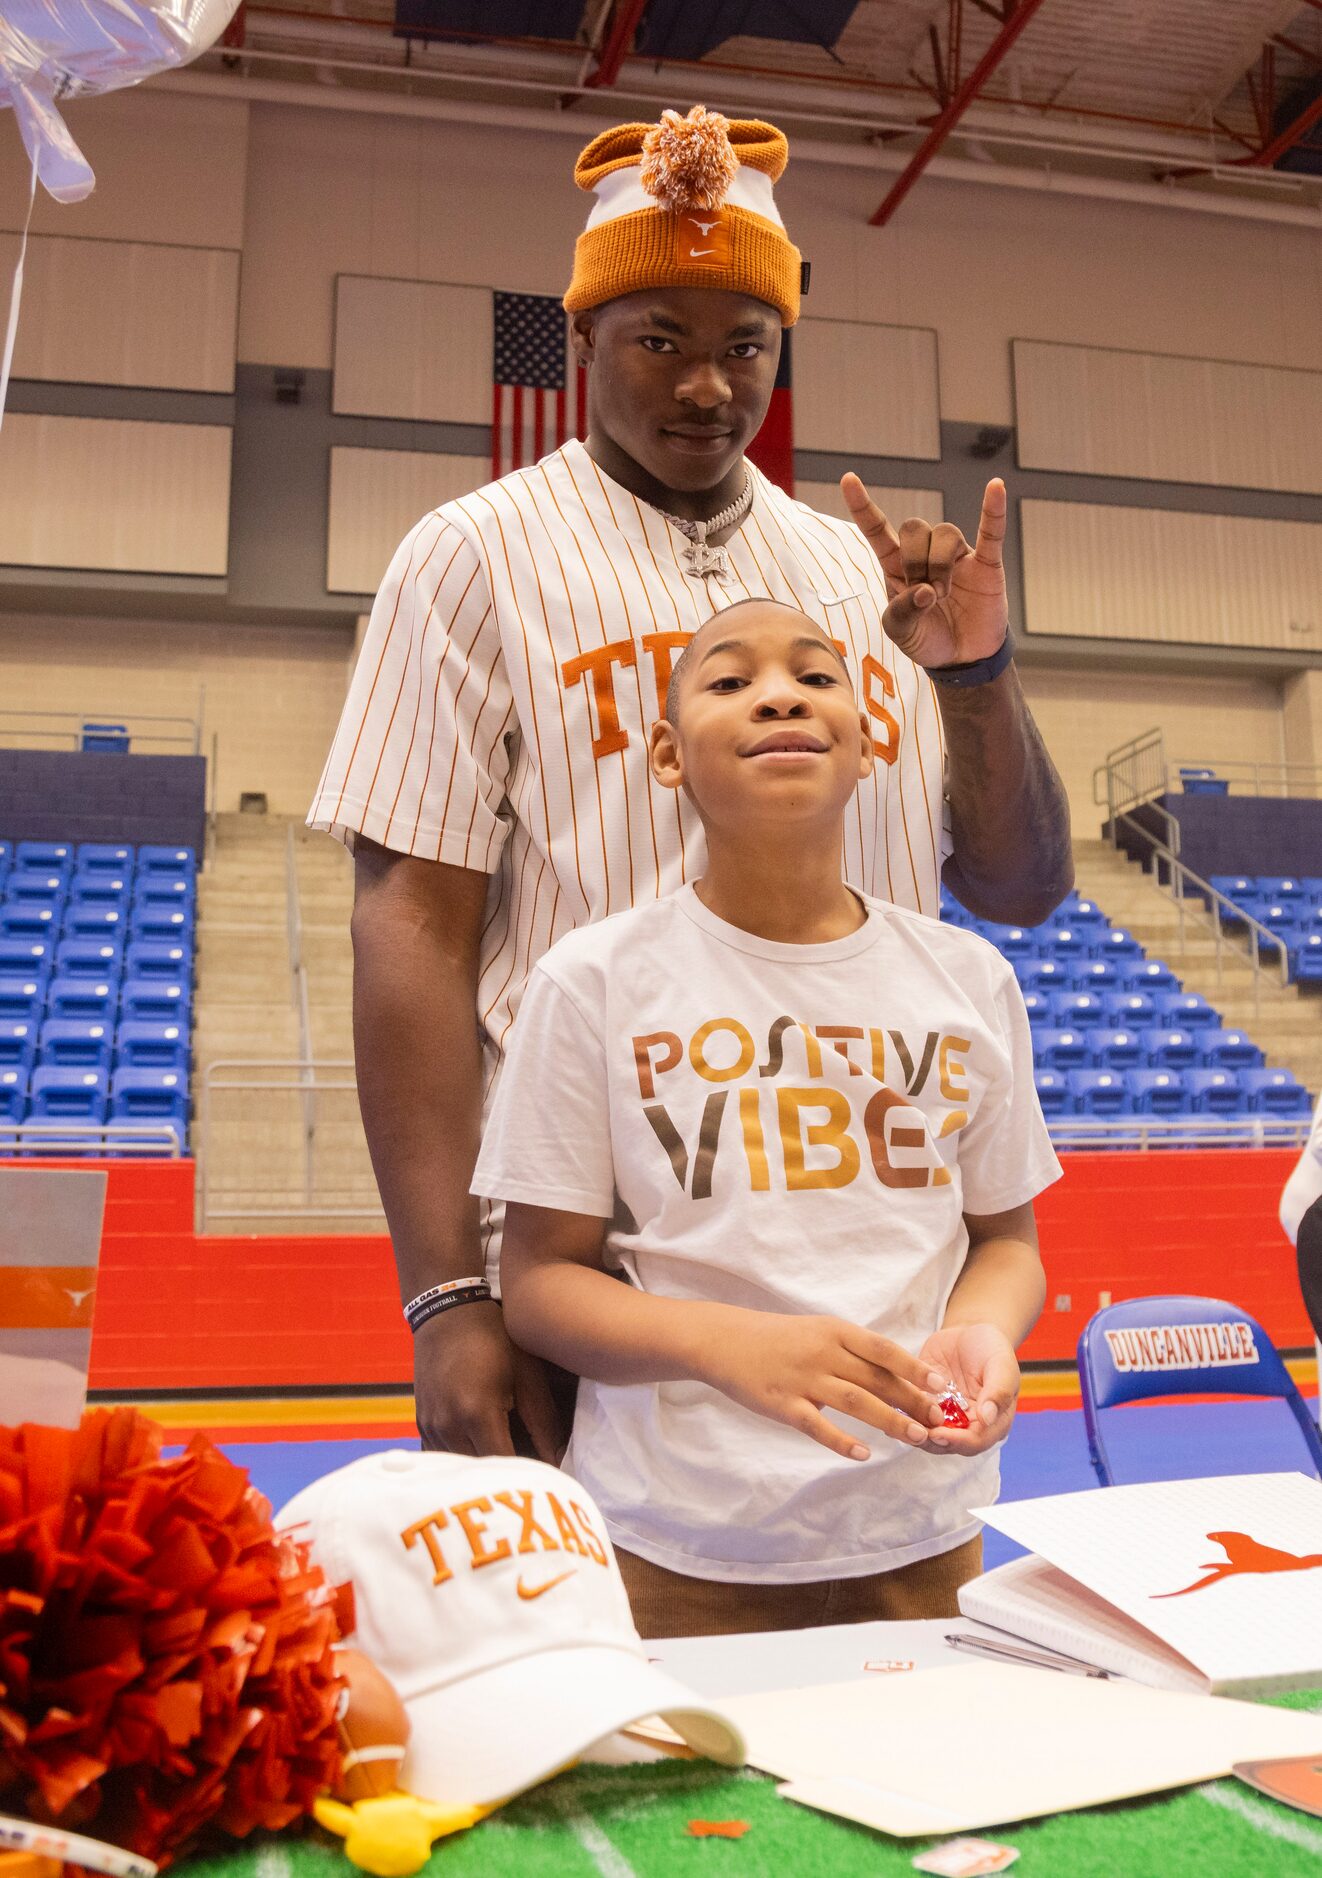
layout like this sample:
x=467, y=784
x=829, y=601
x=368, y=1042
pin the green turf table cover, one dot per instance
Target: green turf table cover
x=631, y=1822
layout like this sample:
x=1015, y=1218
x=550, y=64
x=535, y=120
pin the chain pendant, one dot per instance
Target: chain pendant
x=704, y=561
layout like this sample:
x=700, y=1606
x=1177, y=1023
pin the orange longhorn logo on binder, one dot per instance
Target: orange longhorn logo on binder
x=1243, y=1556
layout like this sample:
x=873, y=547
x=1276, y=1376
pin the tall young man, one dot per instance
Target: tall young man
x=491, y=766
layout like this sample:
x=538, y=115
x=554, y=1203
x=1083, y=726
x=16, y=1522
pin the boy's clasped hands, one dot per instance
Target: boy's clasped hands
x=801, y=1369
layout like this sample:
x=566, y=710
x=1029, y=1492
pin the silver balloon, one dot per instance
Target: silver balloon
x=54, y=49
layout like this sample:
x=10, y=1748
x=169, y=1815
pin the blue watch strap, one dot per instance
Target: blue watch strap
x=977, y=671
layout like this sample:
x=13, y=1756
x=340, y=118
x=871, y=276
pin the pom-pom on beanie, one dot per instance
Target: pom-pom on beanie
x=685, y=203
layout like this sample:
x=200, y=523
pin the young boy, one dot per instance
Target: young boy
x=769, y=1150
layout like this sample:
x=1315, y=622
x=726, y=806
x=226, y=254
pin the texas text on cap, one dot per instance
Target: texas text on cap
x=688, y=202
x=488, y=1593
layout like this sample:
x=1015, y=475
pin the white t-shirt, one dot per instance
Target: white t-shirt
x=794, y=1128
x=518, y=654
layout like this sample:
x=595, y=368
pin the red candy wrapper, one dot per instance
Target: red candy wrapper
x=165, y=1656
x=954, y=1408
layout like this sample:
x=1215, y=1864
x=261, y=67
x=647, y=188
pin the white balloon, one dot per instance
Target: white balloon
x=52, y=49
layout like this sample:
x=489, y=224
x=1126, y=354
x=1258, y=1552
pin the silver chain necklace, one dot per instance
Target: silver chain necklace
x=702, y=560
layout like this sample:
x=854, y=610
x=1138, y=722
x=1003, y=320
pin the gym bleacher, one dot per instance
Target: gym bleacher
x=96, y=992
x=1289, y=908
x=1116, y=1035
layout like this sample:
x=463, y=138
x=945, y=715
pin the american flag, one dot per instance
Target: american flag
x=539, y=398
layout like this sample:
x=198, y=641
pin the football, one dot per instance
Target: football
x=373, y=1730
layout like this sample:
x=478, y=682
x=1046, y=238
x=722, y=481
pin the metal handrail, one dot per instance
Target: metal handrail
x=1154, y=1131
x=299, y=990
x=66, y=729
x=253, y=1075
x=1148, y=744
x=154, y=1140
x=1258, y=779
x=1181, y=877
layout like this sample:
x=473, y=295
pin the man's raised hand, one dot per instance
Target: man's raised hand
x=948, y=602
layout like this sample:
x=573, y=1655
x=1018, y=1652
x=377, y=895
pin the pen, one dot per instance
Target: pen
x=1012, y=1653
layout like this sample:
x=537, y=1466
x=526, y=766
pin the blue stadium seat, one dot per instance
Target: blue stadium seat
x=13, y=1093
x=1274, y=1092
x=1065, y=941
x=1281, y=887
x=173, y=862
x=1306, y=960
x=54, y=857
x=1214, y=1091
x=1173, y=1049
x=1053, y=1093
x=104, y=857
x=1279, y=916
x=1228, y=1049
x=23, y=997
x=1129, y=1007
x=1061, y=1049
x=1076, y=1010
x=1038, y=1004
x=1036, y=974
x=35, y=886
x=151, y=1043
x=84, y=921
x=1233, y=886
x=154, y=998
x=18, y=1044
x=1157, y=1092
x=1115, y=1049
x=1312, y=886
x=104, y=740
x=161, y=922
x=1198, y=781
x=155, y=958
x=76, y=1043
x=1118, y=944
x=29, y=922
x=1095, y=974
x=93, y=999
x=1086, y=913
x=1185, y=1010
x=25, y=955
x=1098, y=1092
x=150, y=1095
x=101, y=889
x=1013, y=942
x=163, y=890
x=69, y=1095
x=1147, y=975
x=6, y=854
x=89, y=958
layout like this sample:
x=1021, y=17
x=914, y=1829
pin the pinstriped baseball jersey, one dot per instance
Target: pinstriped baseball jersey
x=518, y=654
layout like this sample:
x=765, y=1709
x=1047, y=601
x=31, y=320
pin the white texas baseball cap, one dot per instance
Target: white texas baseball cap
x=487, y=1592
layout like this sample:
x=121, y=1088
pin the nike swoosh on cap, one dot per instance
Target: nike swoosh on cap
x=695, y=252
x=528, y=1592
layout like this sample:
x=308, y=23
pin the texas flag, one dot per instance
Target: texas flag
x=773, y=447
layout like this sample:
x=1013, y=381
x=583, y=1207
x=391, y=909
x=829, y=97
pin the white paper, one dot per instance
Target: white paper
x=879, y=1751
x=1245, y=1612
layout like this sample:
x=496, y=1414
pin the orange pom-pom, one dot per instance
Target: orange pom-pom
x=687, y=161
x=373, y=1730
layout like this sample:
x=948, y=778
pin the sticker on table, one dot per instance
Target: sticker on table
x=889, y=1665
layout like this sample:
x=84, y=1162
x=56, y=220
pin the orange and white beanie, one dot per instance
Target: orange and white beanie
x=687, y=202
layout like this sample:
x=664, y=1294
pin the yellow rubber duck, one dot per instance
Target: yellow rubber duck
x=392, y=1836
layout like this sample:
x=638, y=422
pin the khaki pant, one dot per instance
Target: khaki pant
x=670, y=1604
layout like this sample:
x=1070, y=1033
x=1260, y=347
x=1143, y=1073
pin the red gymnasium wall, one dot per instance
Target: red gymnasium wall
x=177, y=1311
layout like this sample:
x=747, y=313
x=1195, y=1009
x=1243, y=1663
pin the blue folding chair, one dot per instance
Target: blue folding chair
x=1228, y=1049
x=87, y=920
x=35, y=886
x=1157, y=1092
x=89, y=958
x=1233, y=886
x=1098, y=1092
x=162, y=922
x=1173, y=1049
x=1130, y=1009
x=1039, y=1005
x=1147, y=975
x=18, y=921
x=1066, y=941
x=1306, y=960
x=1281, y=887
x=18, y=1044
x=1185, y=1010
x=1215, y=1092
x=1053, y=1093
x=153, y=1096
x=1275, y=1092
x=153, y=958
x=151, y=1043
x=13, y=1094
x=96, y=888
x=1087, y=913
x=1076, y=1010
x=104, y=857
x=155, y=998
x=55, y=857
x=22, y=997
x=1012, y=942
x=1115, y=1049
x=153, y=858
x=1061, y=1049
x=25, y=955
x=104, y=740
x=76, y=1043
x=69, y=1095
x=1095, y=974
x=1038, y=974
x=91, y=999
x=1118, y=944
x=1165, y=1346
x=153, y=889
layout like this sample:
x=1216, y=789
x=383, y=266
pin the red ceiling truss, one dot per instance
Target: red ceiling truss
x=616, y=43
x=954, y=94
